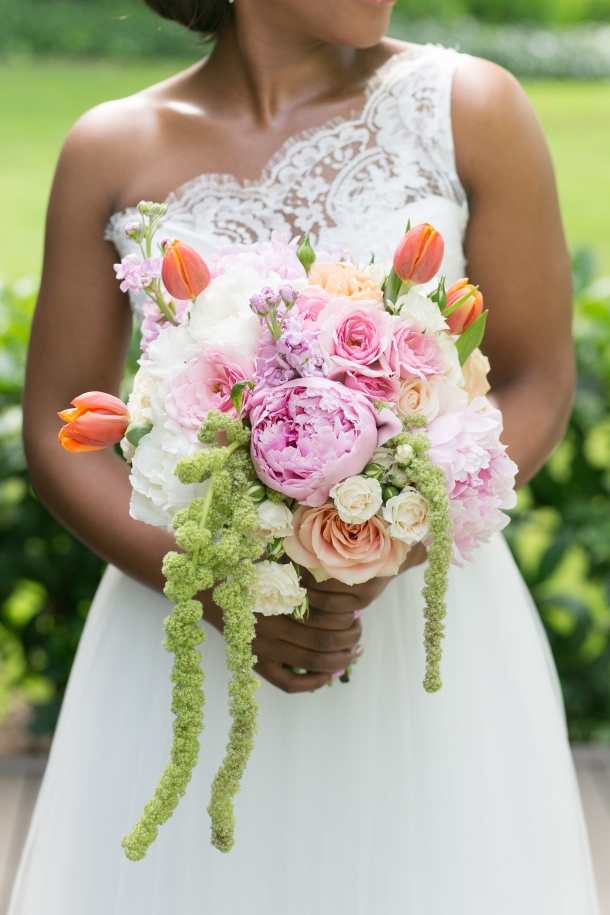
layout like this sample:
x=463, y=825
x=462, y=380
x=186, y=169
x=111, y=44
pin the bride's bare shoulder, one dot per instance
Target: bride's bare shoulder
x=113, y=141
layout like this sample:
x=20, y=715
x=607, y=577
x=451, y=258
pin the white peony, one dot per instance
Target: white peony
x=222, y=313
x=277, y=589
x=431, y=397
x=357, y=499
x=453, y=369
x=275, y=521
x=157, y=492
x=423, y=310
x=407, y=515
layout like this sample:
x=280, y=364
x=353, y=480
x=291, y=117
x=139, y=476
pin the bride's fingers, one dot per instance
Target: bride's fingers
x=316, y=639
x=288, y=681
x=328, y=662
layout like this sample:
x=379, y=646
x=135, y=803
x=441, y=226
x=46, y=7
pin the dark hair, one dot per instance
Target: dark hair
x=206, y=16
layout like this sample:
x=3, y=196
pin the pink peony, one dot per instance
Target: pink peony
x=480, y=475
x=376, y=389
x=311, y=433
x=351, y=553
x=275, y=256
x=357, y=337
x=311, y=301
x=205, y=384
x=415, y=355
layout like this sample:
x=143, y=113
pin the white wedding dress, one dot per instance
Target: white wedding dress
x=372, y=798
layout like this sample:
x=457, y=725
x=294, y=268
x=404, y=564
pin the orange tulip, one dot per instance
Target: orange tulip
x=419, y=255
x=97, y=421
x=184, y=272
x=468, y=311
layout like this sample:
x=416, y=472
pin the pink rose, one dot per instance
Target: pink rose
x=205, y=384
x=376, y=389
x=351, y=553
x=310, y=302
x=357, y=337
x=415, y=355
x=311, y=433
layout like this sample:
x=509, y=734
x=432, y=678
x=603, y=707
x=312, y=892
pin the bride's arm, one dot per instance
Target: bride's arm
x=516, y=252
x=80, y=336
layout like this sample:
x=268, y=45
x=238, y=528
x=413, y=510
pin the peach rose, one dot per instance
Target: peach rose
x=351, y=553
x=475, y=371
x=345, y=282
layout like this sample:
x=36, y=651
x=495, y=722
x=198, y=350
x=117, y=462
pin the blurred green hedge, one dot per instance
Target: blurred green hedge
x=560, y=535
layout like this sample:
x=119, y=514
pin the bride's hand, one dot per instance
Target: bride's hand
x=327, y=641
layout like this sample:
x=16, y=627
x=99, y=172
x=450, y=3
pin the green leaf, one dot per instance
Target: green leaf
x=471, y=338
x=137, y=431
x=456, y=305
x=237, y=394
x=439, y=295
x=392, y=286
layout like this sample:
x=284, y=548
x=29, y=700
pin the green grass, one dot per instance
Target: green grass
x=40, y=100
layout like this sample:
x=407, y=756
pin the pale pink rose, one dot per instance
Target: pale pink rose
x=475, y=371
x=386, y=390
x=351, y=553
x=310, y=302
x=310, y=433
x=415, y=355
x=342, y=281
x=480, y=475
x=357, y=337
x=430, y=398
x=205, y=384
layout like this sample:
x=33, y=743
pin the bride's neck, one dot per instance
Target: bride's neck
x=270, y=67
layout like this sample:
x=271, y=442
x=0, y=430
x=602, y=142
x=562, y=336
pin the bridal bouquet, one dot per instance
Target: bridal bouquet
x=295, y=410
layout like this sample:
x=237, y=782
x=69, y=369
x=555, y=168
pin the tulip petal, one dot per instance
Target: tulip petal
x=99, y=429
x=99, y=400
x=71, y=444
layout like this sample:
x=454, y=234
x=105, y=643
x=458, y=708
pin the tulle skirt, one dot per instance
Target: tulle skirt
x=367, y=798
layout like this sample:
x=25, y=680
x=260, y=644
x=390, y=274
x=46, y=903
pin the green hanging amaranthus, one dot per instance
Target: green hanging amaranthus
x=431, y=481
x=214, y=533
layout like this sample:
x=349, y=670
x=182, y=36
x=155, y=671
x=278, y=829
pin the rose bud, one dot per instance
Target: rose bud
x=419, y=255
x=470, y=309
x=184, y=273
x=97, y=421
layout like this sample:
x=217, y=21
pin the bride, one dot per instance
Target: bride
x=371, y=798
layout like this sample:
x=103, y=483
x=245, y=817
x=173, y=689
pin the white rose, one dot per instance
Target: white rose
x=277, y=589
x=407, y=515
x=384, y=457
x=399, y=477
x=423, y=310
x=222, y=313
x=275, y=521
x=404, y=453
x=430, y=398
x=475, y=371
x=453, y=369
x=357, y=499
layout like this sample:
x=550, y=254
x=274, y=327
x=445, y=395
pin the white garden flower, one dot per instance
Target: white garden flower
x=275, y=521
x=424, y=311
x=222, y=313
x=157, y=492
x=357, y=499
x=404, y=454
x=453, y=369
x=407, y=515
x=138, y=407
x=384, y=457
x=394, y=474
x=377, y=271
x=430, y=398
x=475, y=369
x=277, y=589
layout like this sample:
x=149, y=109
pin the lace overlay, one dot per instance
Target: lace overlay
x=351, y=182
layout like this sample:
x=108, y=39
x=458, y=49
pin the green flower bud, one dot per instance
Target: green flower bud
x=373, y=472
x=388, y=492
x=137, y=431
x=256, y=491
x=306, y=253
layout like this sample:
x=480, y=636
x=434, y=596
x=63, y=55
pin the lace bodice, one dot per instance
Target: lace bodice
x=352, y=182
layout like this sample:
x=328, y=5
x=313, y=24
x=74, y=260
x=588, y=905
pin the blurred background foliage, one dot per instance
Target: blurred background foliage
x=60, y=57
